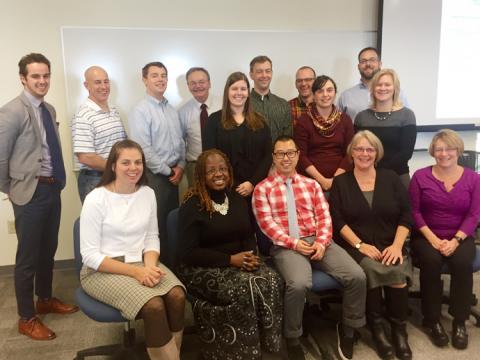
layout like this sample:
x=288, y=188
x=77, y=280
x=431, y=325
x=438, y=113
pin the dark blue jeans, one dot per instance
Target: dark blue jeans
x=36, y=224
x=86, y=183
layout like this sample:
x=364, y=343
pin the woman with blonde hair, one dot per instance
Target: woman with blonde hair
x=445, y=202
x=373, y=232
x=391, y=122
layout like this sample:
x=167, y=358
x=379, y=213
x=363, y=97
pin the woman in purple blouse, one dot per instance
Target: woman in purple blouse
x=445, y=201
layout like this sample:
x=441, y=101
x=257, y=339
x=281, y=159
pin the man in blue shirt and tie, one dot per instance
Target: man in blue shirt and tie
x=155, y=125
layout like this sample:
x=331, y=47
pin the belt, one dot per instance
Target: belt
x=92, y=172
x=46, y=179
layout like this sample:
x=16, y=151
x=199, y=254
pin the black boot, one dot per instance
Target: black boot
x=400, y=339
x=397, y=307
x=375, y=323
x=383, y=346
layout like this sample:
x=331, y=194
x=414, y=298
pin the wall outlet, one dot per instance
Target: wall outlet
x=11, y=226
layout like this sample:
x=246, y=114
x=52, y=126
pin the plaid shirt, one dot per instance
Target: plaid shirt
x=270, y=209
x=297, y=108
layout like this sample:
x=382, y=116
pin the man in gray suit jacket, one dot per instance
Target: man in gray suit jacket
x=32, y=175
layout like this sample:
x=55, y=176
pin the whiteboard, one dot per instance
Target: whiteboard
x=124, y=51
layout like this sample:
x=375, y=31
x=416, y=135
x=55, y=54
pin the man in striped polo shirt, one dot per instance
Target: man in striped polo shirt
x=95, y=128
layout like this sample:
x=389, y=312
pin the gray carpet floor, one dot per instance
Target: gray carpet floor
x=77, y=331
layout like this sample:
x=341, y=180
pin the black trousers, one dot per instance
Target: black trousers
x=36, y=224
x=166, y=195
x=461, y=278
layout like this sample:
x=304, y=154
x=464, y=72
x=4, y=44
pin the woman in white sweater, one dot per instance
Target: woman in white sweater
x=120, y=251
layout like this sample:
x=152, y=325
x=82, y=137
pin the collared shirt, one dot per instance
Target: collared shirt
x=270, y=208
x=190, y=121
x=95, y=130
x=46, y=167
x=276, y=112
x=155, y=125
x=357, y=99
x=297, y=108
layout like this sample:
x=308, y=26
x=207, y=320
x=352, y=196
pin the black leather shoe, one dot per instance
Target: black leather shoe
x=459, y=336
x=344, y=343
x=437, y=333
x=295, y=352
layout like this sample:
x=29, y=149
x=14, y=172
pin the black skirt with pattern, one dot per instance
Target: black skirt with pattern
x=237, y=312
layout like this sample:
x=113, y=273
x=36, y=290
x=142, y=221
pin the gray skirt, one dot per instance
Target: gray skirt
x=382, y=275
x=124, y=292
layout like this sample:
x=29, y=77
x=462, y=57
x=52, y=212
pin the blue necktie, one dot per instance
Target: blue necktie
x=292, y=211
x=53, y=145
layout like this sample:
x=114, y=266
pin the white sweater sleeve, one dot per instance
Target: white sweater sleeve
x=152, y=242
x=91, y=220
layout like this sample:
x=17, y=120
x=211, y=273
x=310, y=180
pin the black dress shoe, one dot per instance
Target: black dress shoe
x=459, y=336
x=437, y=333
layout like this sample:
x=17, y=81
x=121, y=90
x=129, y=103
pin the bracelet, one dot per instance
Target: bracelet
x=458, y=238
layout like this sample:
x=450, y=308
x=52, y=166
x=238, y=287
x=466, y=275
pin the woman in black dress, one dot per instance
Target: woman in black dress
x=237, y=299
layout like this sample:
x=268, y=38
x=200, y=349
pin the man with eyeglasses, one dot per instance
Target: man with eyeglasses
x=304, y=78
x=155, y=125
x=194, y=114
x=293, y=213
x=357, y=98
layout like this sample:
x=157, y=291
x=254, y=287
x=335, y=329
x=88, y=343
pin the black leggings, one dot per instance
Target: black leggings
x=461, y=278
x=162, y=316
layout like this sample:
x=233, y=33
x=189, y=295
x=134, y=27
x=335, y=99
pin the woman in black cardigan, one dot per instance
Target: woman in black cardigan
x=371, y=220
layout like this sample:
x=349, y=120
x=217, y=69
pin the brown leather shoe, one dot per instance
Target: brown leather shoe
x=35, y=329
x=53, y=305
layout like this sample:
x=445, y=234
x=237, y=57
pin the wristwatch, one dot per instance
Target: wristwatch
x=357, y=245
x=458, y=238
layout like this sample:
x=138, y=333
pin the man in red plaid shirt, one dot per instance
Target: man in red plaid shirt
x=311, y=247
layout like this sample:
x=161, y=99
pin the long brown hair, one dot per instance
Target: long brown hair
x=199, y=187
x=109, y=174
x=254, y=120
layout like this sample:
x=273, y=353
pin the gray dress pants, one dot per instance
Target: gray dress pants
x=296, y=269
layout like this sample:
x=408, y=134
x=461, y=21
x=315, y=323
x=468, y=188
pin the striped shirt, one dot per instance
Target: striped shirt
x=95, y=130
x=270, y=208
x=276, y=112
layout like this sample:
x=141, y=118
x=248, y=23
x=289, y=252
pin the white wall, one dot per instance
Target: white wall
x=34, y=26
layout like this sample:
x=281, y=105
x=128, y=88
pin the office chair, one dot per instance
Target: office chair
x=446, y=297
x=98, y=311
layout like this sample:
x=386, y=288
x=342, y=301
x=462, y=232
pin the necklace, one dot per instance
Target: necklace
x=221, y=208
x=382, y=117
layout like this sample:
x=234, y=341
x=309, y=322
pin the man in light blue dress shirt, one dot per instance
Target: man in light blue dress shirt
x=155, y=125
x=357, y=98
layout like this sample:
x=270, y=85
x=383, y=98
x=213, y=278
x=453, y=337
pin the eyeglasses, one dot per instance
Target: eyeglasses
x=371, y=60
x=447, y=150
x=361, y=150
x=213, y=171
x=198, y=83
x=281, y=154
x=306, y=80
